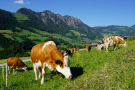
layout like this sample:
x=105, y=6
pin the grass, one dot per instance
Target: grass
x=6, y=31
x=20, y=16
x=77, y=33
x=95, y=70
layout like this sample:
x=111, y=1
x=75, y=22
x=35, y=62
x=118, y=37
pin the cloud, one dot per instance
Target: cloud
x=28, y=3
x=21, y=2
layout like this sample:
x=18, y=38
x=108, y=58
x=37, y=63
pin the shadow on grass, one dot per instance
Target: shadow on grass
x=76, y=71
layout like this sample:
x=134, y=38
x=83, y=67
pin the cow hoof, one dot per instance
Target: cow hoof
x=42, y=83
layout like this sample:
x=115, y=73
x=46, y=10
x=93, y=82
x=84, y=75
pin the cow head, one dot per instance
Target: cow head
x=25, y=68
x=64, y=67
x=100, y=45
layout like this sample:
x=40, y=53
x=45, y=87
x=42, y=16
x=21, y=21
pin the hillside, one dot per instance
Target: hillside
x=26, y=23
x=34, y=27
x=55, y=23
x=91, y=71
x=116, y=30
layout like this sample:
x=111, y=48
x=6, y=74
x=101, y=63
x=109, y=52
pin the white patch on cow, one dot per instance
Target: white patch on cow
x=48, y=43
x=37, y=65
x=25, y=68
x=125, y=44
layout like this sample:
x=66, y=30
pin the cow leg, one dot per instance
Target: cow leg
x=13, y=71
x=35, y=70
x=43, y=74
x=115, y=47
x=106, y=47
x=39, y=73
x=50, y=78
x=9, y=69
x=16, y=70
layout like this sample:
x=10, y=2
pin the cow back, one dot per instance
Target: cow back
x=14, y=61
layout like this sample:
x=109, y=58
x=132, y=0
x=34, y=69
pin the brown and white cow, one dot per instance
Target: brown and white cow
x=76, y=49
x=111, y=41
x=15, y=63
x=47, y=55
x=88, y=48
x=72, y=51
x=66, y=51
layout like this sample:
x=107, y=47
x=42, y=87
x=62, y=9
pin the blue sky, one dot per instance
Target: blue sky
x=91, y=12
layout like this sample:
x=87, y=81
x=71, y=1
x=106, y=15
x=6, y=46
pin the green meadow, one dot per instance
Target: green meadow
x=95, y=70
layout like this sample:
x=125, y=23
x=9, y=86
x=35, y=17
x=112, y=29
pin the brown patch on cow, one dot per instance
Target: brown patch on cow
x=112, y=40
x=120, y=41
x=105, y=39
x=43, y=74
x=60, y=63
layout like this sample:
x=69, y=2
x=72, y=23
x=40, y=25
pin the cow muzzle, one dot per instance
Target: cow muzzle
x=69, y=77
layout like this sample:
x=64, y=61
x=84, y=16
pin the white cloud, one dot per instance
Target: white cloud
x=28, y=3
x=21, y=2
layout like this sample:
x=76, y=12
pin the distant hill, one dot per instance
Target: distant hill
x=116, y=30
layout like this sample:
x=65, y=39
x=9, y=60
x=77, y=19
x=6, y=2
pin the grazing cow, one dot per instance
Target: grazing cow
x=76, y=49
x=47, y=55
x=72, y=51
x=88, y=48
x=100, y=45
x=111, y=41
x=16, y=63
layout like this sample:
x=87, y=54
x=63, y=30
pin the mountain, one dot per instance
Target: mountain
x=20, y=31
x=55, y=23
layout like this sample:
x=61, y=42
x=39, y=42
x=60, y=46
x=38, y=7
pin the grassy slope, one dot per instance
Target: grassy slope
x=20, y=16
x=93, y=70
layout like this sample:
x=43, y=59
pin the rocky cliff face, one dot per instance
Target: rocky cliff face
x=69, y=20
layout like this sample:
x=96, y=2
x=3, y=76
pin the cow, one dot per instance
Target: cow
x=100, y=45
x=47, y=55
x=72, y=51
x=88, y=48
x=111, y=41
x=66, y=51
x=76, y=49
x=15, y=63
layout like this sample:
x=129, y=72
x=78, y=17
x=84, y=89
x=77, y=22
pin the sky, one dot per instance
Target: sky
x=91, y=12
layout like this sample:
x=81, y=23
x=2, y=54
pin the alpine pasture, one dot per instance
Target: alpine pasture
x=113, y=70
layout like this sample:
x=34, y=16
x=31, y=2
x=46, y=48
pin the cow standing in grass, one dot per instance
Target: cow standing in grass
x=88, y=48
x=66, y=51
x=15, y=63
x=111, y=41
x=72, y=51
x=47, y=55
x=76, y=49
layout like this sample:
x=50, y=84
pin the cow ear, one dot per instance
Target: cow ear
x=59, y=62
